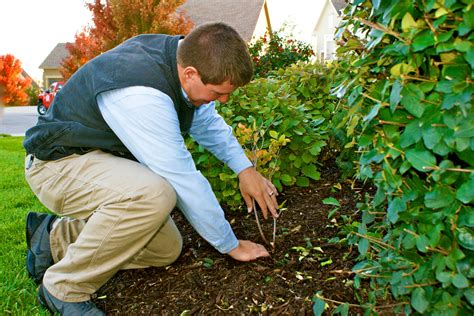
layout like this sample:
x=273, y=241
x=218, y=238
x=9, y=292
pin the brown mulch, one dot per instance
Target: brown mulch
x=204, y=282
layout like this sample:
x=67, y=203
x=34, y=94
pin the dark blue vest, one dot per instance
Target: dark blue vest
x=74, y=124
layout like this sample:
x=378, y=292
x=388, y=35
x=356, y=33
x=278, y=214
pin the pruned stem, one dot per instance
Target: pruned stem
x=381, y=28
x=448, y=169
x=375, y=240
x=258, y=222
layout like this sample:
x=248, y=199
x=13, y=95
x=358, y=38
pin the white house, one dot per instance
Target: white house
x=311, y=21
x=322, y=37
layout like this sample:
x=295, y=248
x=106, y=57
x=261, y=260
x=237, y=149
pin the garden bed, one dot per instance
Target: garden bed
x=202, y=281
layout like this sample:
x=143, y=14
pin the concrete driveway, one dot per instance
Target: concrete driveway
x=16, y=120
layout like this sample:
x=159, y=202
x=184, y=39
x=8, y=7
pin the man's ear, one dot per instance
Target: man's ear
x=190, y=72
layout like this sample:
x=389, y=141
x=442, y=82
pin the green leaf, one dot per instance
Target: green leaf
x=343, y=309
x=411, y=99
x=443, y=277
x=465, y=238
x=363, y=246
x=460, y=281
x=422, y=242
x=431, y=136
x=408, y=23
x=307, y=158
x=395, y=95
x=373, y=112
x=469, y=56
x=419, y=301
x=465, y=193
x=401, y=69
x=412, y=134
x=286, y=179
x=423, y=40
x=318, y=306
x=469, y=295
x=311, y=172
x=273, y=134
x=466, y=129
x=465, y=217
x=302, y=181
x=440, y=197
x=331, y=201
x=316, y=148
x=420, y=158
x=396, y=206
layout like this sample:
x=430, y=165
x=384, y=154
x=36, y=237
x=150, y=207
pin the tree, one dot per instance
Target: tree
x=115, y=21
x=82, y=50
x=11, y=79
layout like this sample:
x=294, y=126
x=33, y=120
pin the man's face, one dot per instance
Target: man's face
x=200, y=93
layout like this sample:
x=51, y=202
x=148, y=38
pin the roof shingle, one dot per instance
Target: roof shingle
x=240, y=14
x=54, y=59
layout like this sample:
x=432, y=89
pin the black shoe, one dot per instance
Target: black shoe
x=66, y=308
x=38, y=256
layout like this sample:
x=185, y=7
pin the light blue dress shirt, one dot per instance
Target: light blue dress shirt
x=146, y=122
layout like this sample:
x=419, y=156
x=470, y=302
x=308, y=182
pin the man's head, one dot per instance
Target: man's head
x=213, y=60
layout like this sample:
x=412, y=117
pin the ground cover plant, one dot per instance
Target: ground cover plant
x=410, y=113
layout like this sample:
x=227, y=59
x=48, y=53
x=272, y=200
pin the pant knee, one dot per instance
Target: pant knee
x=174, y=250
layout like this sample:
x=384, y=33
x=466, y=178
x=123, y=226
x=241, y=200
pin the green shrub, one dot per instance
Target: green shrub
x=410, y=112
x=32, y=93
x=277, y=51
x=284, y=120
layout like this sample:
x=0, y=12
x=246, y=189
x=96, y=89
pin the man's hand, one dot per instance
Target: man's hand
x=248, y=251
x=254, y=185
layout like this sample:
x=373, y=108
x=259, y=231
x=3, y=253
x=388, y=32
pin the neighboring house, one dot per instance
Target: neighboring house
x=52, y=63
x=322, y=37
x=249, y=17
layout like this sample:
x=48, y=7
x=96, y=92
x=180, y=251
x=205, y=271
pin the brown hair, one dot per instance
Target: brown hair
x=218, y=53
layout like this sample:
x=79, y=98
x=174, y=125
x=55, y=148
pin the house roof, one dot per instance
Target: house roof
x=54, y=59
x=240, y=14
x=25, y=75
x=339, y=5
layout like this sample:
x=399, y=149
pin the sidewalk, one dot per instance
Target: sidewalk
x=15, y=120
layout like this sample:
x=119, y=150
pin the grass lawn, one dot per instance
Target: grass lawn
x=17, y=291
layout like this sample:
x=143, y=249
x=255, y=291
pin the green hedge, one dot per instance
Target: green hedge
x=410, y=112
x=284, y=120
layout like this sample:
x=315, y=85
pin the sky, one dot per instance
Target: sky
x=30, y=29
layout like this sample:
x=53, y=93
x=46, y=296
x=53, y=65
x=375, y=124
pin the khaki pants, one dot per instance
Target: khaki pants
x=116, y=216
